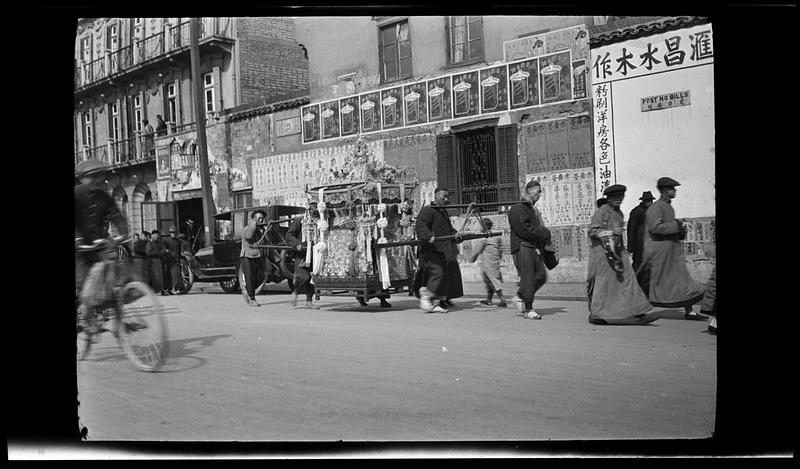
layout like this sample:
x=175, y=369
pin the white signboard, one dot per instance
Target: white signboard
x=658, y=53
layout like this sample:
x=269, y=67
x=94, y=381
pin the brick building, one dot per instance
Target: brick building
x=129, y=70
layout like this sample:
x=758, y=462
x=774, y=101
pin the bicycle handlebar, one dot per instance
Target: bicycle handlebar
x=101, y=243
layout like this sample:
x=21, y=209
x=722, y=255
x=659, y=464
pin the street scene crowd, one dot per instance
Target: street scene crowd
x=620, y=291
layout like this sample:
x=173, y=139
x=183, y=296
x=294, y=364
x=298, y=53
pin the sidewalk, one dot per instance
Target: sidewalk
x=550, y=291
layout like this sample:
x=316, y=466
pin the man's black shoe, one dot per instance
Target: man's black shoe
x=384, y=303
x=361, y=300
x=695, y=317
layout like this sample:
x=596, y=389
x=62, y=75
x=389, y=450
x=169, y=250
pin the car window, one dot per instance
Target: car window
x=238, y=224
x=223, y=230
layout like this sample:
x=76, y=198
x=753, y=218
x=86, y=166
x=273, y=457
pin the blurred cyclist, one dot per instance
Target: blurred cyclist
x=94, y=209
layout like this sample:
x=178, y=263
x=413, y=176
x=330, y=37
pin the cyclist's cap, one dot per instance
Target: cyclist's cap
x=90, y=166
x=154, y=232
x=172, y=229
x=252, y=215
x=145, y=233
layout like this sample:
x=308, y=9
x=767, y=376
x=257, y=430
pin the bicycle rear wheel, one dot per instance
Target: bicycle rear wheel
x=142, y=328
x=84, y=327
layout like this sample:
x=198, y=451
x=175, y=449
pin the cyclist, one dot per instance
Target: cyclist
x=94, y=209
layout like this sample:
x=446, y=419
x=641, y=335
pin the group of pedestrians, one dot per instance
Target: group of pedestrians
x=620, y=292
x=158, y=260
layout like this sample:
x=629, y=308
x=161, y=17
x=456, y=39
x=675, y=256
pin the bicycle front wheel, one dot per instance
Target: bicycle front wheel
x=142, y=327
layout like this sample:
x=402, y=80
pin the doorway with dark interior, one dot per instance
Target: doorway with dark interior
x=190, y=221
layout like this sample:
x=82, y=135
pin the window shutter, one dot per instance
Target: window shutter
x=447, y=166
x=507, y=173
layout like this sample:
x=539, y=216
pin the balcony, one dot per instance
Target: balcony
x=173, y=41
x=133, y=151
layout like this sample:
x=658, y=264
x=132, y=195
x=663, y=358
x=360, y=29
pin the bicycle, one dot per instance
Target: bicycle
x=122, y=305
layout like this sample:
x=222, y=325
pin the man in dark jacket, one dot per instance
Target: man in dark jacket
x=140, y=256
x=637, y=222
x=251, y=257
x=173, y=260
x=528, y=235
x=156, y=253
x=437, y=258
x=94, y=209
x=302, y=270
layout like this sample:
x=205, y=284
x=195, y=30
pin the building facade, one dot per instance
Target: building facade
x=653, y=97
x=130, y=71
x=479, y=105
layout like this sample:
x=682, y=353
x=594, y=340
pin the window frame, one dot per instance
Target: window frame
x=138, y=113
x=88, y=130
x=208, y=86
x=382, y=59
x=115, y=122
x=172, y=103
x=449, y=37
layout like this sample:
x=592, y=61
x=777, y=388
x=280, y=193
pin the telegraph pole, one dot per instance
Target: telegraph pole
x=200, y=120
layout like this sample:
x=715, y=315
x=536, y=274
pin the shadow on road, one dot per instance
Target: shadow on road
x=181, y=352
x=550, y=311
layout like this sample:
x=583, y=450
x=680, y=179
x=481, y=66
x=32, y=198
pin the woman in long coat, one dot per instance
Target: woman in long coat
x=613, y=292
x=663, y=274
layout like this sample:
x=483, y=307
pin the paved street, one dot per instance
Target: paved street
x=345, y=372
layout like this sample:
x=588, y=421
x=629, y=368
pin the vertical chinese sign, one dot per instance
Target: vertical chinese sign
x=605, y=171
x=654, y=54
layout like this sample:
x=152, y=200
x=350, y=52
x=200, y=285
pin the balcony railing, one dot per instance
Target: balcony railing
x=132, y=150
x=172, y=38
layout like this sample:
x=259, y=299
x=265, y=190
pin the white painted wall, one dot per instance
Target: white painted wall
x=676, y=142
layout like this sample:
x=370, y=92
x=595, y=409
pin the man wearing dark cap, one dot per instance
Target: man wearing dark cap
x=173, y=262
x=615, y=297
x=251, y=257
x=438, y=262
x=528, y=237
x=300, y=231
x=636, y=227
x=663, y=274
x=156, y=253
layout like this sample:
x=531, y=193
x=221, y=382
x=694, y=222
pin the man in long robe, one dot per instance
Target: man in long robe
x=156, y=253
x=437, y=258
x=528, y=237
x=663, y=274
x=637, y=221
x=140, y=257
x=173, y=262
x=490, y=252
x=614, y=295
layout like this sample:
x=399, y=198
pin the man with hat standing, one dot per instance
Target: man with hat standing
x=636, y=227
x=252, y=262
x=615, y=297
x=528, y=237
x=663, y=274
x=437, y=258
x=173, y=260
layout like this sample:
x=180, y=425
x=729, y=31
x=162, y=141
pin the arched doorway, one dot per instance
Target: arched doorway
x=141, y=193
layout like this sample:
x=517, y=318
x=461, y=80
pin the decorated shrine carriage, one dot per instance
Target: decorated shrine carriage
x=354, y=218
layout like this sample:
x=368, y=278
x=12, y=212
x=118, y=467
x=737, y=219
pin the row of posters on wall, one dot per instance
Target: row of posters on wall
x=537, y=81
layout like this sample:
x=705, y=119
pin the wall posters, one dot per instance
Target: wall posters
x=546, y=69
x=465, y=94
x=350, y=115
x=439, y=99
x=311, y=123
x=415, y=103
x=493, y=89
x=329, y=114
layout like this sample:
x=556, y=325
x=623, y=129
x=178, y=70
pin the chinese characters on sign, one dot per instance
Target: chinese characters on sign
x=657, y=53
x=666, y=101
x=603, y=137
